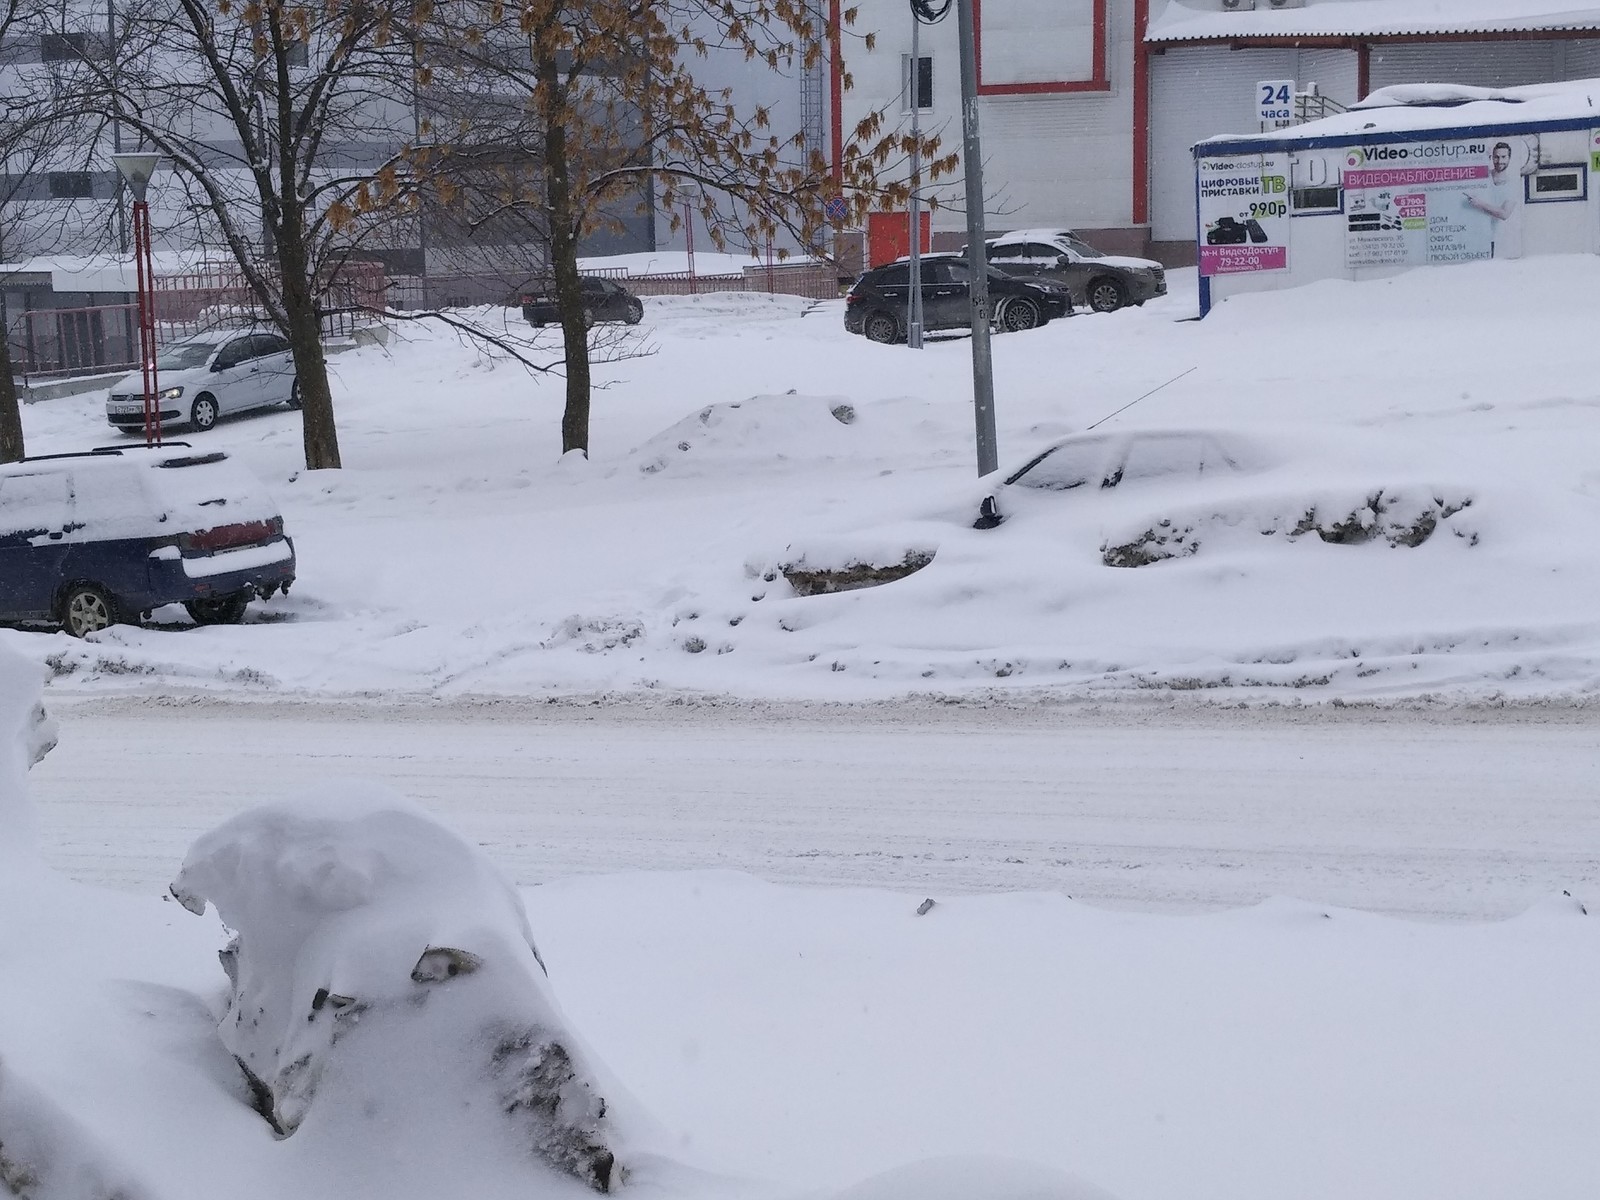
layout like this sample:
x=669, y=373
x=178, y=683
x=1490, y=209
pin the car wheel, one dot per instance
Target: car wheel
x=1107, y=295
x=219, y=610
x=87, y=608
x=881, y=327
x=1019, y=314
x=635, y=312
x=294, y=394
x=204, y=413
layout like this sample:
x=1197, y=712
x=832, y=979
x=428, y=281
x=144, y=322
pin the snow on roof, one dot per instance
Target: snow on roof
x=96, y=273
x=1423, y=106
x=1200, y=20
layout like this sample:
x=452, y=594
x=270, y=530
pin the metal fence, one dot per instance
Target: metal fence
x=814, y=281
x=60, y=342
x=78, y=341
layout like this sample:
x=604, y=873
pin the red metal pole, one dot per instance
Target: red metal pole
x=145, y=270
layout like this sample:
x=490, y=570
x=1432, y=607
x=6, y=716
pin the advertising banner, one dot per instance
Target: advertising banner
x=1244, y=213
x=1435, y=202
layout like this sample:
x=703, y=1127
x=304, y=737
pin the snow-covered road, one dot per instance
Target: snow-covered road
x=1456, y=815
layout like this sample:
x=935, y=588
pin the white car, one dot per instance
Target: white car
x=209, y=376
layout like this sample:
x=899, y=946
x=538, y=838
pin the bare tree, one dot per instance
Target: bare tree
x=574, y=113
x=293, y=126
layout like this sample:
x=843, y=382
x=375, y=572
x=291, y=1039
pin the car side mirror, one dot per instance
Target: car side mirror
x=988, y=514
x=1063, y=261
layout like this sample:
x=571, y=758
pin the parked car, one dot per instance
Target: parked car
x=1103, y=282
x=603, y=300
x=207, y=377
x=876, y=306
x=106, y=536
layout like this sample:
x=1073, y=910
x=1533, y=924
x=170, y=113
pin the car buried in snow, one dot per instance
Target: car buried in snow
x=104, y=537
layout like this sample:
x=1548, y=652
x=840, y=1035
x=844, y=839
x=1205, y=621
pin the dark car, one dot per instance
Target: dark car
x=603, y=300
x=1102, y=282
x=103, y=537
x=876, y=306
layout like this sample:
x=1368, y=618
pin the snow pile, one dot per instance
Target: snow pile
x=382, y=965
x=26, y=736
x=759, y=431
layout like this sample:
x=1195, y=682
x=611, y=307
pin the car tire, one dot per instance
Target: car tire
x=1019, y=314
x=1106, y=294
x=87, y=608
x=881, y=327
x=203, y=413
x=294, y=395
x=635, y=312
x=219, y=610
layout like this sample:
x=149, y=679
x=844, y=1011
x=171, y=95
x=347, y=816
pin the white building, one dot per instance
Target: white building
x=1416, y=175
x=1090, y=107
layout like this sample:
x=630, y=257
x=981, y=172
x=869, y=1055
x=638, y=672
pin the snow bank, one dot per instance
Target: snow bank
x=382, y=961
x=26, y=736
x=761, y=430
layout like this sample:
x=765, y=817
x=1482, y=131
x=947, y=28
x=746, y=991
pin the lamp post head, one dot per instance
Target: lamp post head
x=136, y=168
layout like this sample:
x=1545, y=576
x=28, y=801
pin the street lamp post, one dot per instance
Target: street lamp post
x=137, y=168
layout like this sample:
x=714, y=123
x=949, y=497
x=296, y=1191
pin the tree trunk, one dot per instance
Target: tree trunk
x=570, y=304
x=11, y=449
x=305, y=341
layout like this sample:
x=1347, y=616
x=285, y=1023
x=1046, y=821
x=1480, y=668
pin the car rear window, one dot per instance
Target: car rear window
x=207, y=491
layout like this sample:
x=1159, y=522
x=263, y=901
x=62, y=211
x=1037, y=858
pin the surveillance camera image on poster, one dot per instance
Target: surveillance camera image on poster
x=1436, y=202
x=1244, y=213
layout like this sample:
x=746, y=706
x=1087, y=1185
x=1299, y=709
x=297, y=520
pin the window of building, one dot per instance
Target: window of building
x=297, y=53
x=916, y=83
x=71, y=185
x=1323, y=198
x=65, y=47
x=1564, y=182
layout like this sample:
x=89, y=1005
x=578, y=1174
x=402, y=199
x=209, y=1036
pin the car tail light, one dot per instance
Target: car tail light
x=852, y=298
x=529, y=299
x=226, y=537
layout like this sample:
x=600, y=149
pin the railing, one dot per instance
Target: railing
x=60, y=342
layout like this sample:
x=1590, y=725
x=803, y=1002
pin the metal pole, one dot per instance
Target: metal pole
x=914, y=295
x=688, y=229
x=977, y=257
x=145, y=270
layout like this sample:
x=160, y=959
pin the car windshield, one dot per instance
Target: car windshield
x=1078, y=246
x=185, y=355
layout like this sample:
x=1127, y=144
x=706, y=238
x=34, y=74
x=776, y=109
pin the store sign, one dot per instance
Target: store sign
x=1433, y=202
x=1244, y=213
x=1275, y=103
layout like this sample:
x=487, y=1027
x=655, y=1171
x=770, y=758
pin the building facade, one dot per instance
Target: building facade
x=1090, y=108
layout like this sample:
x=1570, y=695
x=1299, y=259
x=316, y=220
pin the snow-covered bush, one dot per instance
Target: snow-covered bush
x=383, y=966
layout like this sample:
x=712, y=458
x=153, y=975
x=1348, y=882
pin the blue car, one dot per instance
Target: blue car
x=104, y=537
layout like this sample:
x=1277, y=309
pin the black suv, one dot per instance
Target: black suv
x=876, y=305
x=603, y=300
